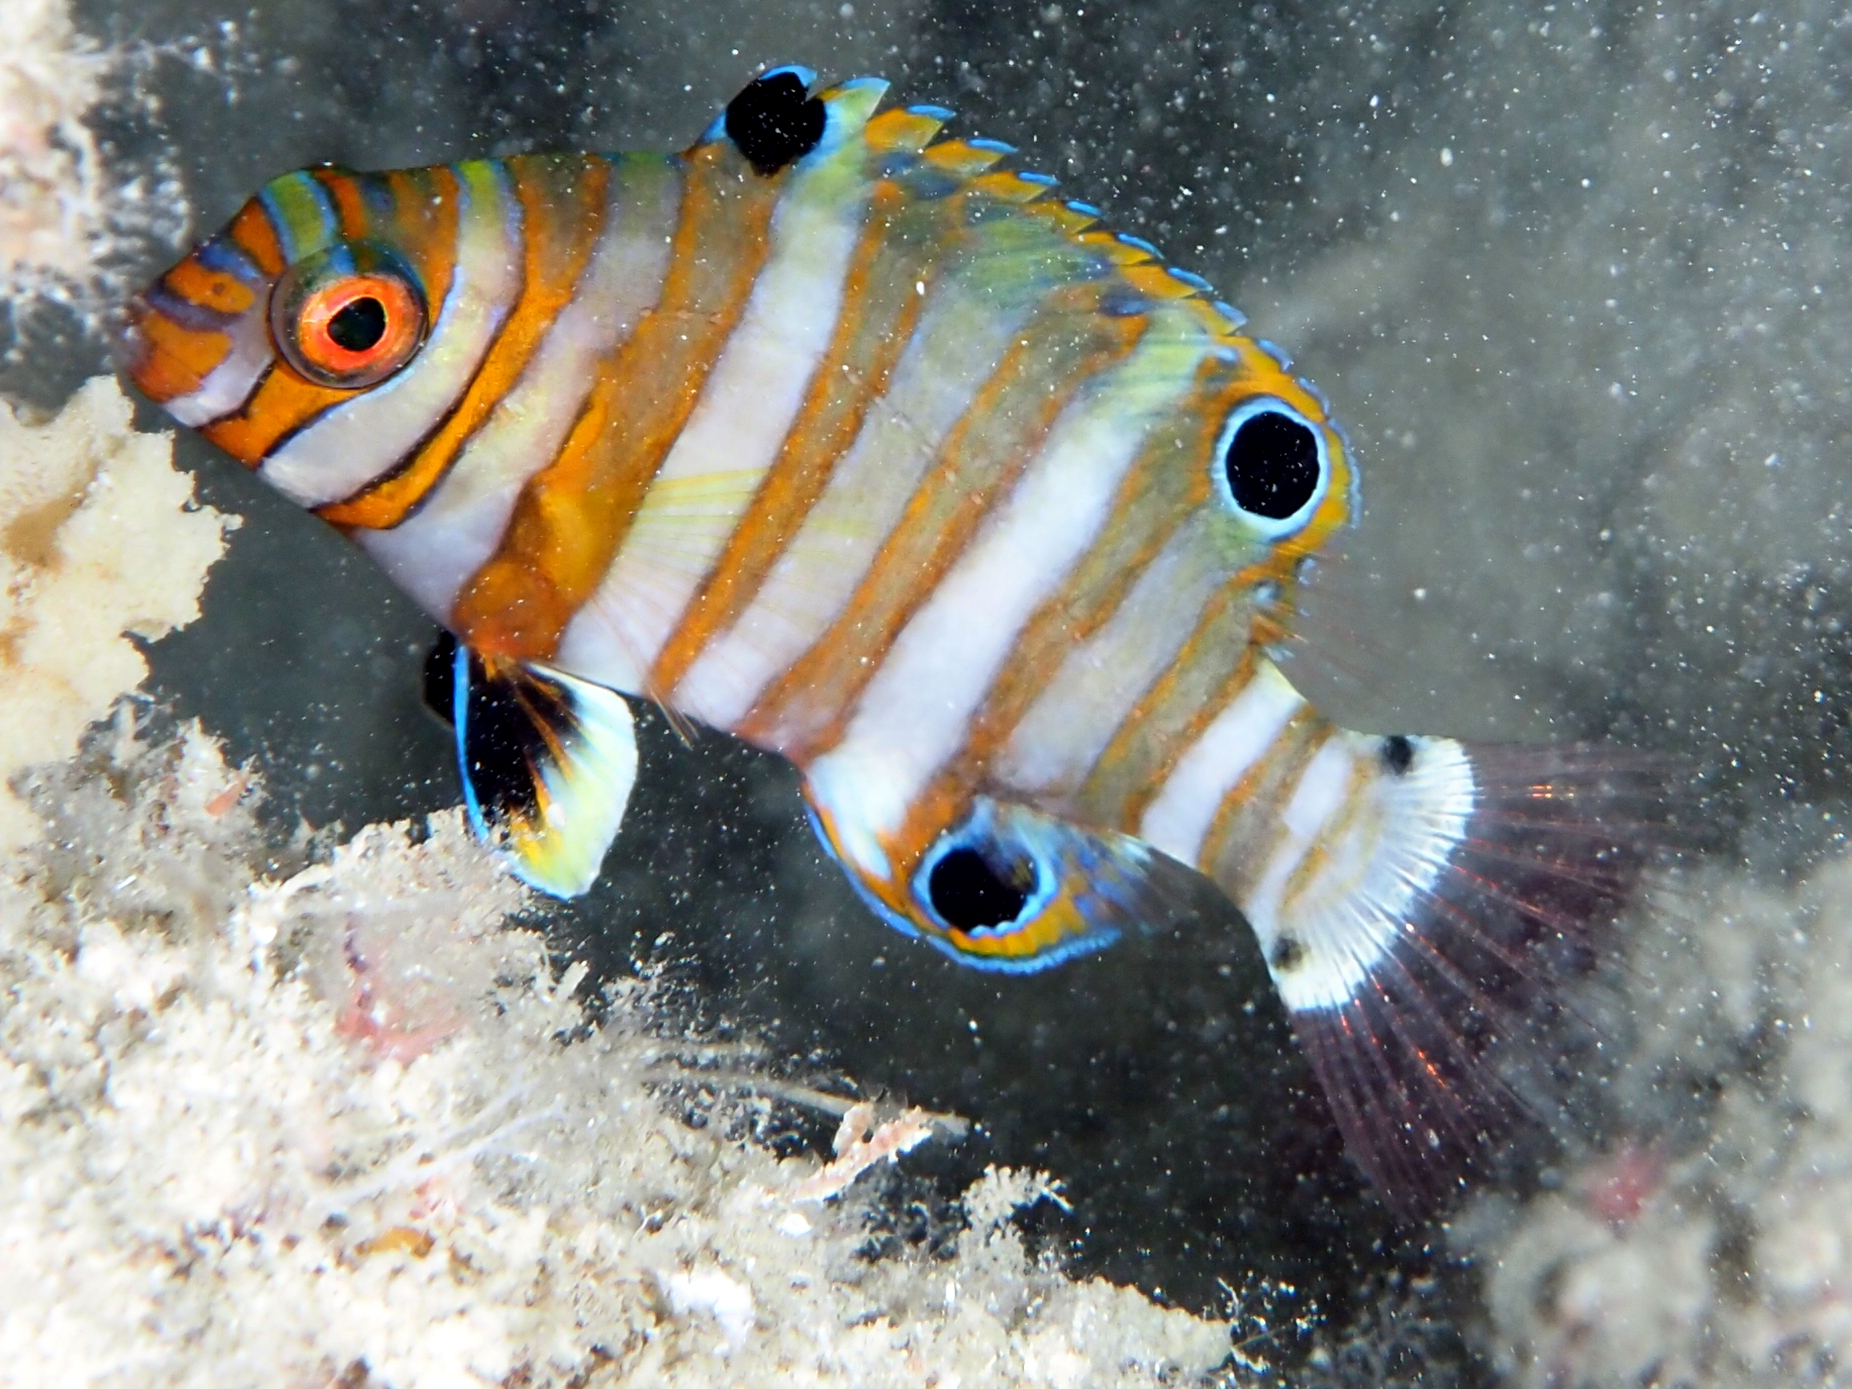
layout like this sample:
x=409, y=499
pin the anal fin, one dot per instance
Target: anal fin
x=1005, y=887
x=547, y=762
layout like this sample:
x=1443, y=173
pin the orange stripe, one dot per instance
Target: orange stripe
x=1183, y=701
x=1247, y=822
x=1211, y=669
x=210, y=289
x=344, y=191
x=1168, y=483
x=880, y=311
x=1161, y=490
x=804, y=711
x=1316, y=859
x=256, y=235
x=572, y=517
x=171, y=361
x=426, y=204
x=283, y=403
x=562, y=202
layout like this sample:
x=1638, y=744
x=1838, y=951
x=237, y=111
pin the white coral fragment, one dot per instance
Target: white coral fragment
x=859, y=1145
x=711, y=1292
x=99, y=542
x=1002, y=1191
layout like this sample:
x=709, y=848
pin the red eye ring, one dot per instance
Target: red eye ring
x=347, y=317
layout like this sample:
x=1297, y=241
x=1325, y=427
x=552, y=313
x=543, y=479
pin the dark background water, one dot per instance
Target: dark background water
x=1572, y=274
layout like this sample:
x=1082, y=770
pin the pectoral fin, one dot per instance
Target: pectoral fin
x=547, y=763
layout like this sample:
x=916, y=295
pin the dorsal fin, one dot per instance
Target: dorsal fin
x=780, y=118
x=909, y=151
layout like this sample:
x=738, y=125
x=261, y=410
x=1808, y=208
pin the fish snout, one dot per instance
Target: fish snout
x=196, y=360
x=128, y=340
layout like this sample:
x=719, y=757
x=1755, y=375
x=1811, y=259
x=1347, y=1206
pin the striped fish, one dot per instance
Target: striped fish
x=864, y=446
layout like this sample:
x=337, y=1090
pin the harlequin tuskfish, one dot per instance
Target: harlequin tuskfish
x=865, y=446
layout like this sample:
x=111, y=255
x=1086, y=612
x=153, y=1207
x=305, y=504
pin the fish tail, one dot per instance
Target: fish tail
x=1421, y=912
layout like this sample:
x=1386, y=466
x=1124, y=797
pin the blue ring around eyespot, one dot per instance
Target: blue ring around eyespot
x=1269, y=528
x=980, y=829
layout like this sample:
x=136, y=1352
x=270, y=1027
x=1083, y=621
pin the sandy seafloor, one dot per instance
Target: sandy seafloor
x=1574, y=278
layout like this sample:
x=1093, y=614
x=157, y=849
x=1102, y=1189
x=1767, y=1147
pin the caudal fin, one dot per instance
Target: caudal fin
x=1421, y=915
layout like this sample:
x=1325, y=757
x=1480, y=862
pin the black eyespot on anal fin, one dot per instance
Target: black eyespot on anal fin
x=775, y=121
x=1398, y=753
x=971, y=895
x=440, y=682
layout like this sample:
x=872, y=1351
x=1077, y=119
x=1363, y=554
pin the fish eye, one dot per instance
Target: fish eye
x=970, y=893
x=348, y=316
x=1271, y=466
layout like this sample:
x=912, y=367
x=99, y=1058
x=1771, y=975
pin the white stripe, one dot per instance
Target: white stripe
x=915, y=713
x=1320, y=791
x=746, y=408
x=229, y=384
x=1061, y=737
x=1180, y=815
x=458, y=528
x=959, y=342
x=1376, y=861
x=357, y=441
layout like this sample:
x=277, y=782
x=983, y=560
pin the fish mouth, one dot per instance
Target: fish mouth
x=195, y=362
x=166, y=362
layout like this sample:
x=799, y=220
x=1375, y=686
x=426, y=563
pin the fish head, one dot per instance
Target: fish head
x=316, y=292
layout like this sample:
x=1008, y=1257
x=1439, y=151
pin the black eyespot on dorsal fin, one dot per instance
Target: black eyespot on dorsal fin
x=775, y=120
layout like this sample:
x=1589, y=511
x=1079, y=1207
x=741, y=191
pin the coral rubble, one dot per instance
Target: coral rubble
x=66, y=217
x=348, y=1126
x=351, y=1124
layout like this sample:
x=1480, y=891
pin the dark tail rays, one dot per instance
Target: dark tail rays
x=1455, y=1037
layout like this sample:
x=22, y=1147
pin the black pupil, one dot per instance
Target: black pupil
x=1272, y=465
x=359, y=324
x=970, y=895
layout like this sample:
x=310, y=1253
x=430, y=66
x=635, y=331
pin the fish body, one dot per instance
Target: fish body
x=864, y=446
